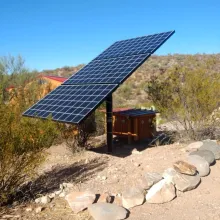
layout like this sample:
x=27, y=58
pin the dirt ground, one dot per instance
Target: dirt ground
x=102, y=172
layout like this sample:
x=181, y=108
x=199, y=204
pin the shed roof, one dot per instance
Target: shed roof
x=132, y=111
x=137, y=112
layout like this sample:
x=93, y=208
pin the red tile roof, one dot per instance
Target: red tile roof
x=10, y=87
x=56, y=78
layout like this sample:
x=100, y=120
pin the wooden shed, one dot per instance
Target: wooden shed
x=135, y=124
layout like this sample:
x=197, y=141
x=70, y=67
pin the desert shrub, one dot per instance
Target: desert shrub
x=21, y=143
x=188, y=94
x=77, y=137
x=125, y=90
x=22, y=140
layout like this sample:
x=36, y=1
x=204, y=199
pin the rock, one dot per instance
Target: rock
x=37, y=200
x=68, y=185
x=105, y=197
x=62, y=194
x=206, y=154
x=181, y=181
x=161, y=192
x=186, y=182
x=135, y=151
x=39, y=209
x=107, y=211
x=29, y=209
x=149, y=179
x=61, y=187
x=201, y=164
x=185, y=168
x=79, y=201
x=211, y=146
x=52, y=205
x=15, y=203
x=45, y=199
x=52, y=195
x=169, y=174
x=195, y=145
x=58, y=192
x=104, y=178
x=132, y=197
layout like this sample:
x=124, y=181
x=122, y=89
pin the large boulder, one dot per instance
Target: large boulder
x=211, y=146
x=149, y=179
x=79, y=201
x=161, y=192
x=169, y=174
x=107, y=211
x=132, y=197
x=205, y=154
x=200, y=163
x=194, y=146
x=181, y=181
x=184, y=168
x=186, y=182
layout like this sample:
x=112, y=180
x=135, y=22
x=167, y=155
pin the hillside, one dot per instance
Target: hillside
x=132, y=92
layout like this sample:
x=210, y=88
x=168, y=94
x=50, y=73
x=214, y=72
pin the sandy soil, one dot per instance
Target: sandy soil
x=113, y=173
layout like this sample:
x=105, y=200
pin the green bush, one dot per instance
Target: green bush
x=188, y=94
x=22, y=140
x=76, y=137
x=21, y=144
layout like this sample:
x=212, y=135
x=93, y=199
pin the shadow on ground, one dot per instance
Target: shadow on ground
x=122, y=149
x=50, y=181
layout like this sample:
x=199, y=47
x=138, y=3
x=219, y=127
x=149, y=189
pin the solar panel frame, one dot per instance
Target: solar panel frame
x=67, y=106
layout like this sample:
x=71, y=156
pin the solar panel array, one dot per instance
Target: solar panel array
x=81, y=94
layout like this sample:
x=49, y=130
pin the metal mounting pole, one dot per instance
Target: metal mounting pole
x=109, y=123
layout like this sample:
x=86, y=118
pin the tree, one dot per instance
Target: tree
x=189, y=94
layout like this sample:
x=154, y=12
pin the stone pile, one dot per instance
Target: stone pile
x=62, y=192
x=150, y=188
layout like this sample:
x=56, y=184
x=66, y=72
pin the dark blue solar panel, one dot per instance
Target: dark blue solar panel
x=112, y=70
x=70, y=103
x=83, y=92
x=140, y=45
x=119, y=61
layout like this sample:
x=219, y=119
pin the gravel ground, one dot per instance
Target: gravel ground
x=114, y=173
